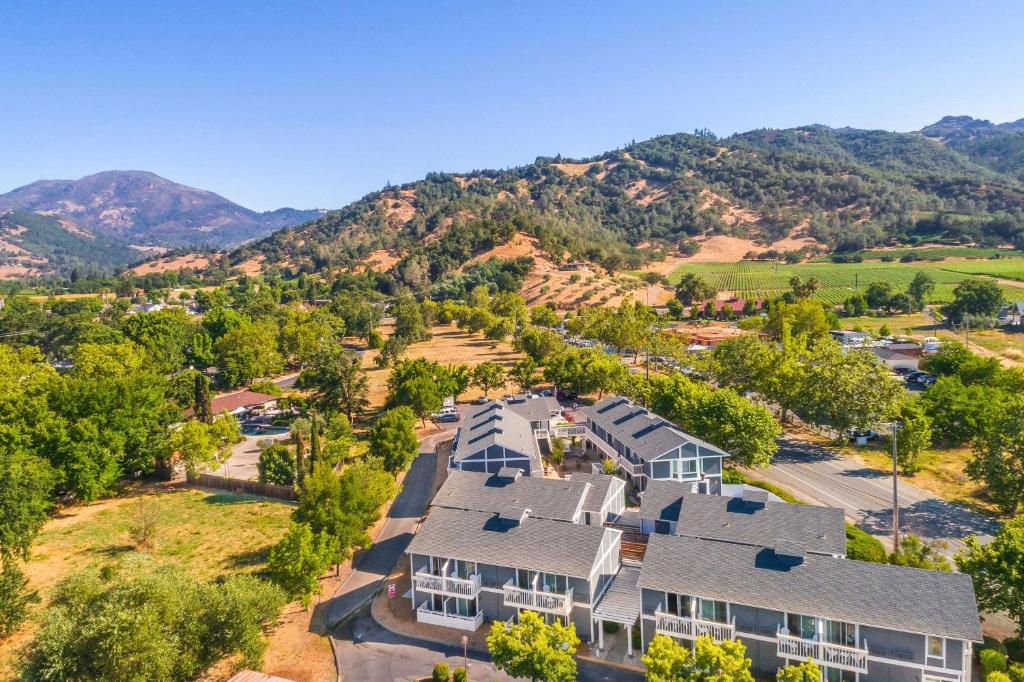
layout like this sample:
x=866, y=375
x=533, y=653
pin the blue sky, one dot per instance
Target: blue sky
x=313, y=104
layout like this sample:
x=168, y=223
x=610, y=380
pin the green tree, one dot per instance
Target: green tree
x=276, y=464
x=666, y=660
x=878, y=295
x=693, y=288
x=393, y=438
x=420, y=394
x=669, y=661
x=998, y=459
x=202, y=404
x=539, y=344
x=976, y=298
x=524, y=374
x=15, y=596
x=960, y=413
x=299, y=559
x=195, y=445
x=488, y=376
x=805, y=317
x=807, y=671
x=920, y=289
x=997, y=569
x=914, y=436
x=321, y=507
x=337, y=381
x=148, y=621
x=543, y=316
x=916, y=553
x=532, y=649
x=248, y=352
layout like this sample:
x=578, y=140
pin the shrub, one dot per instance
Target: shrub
x=996, y=676
x=863, y=546
x=992, y=661
x=1015, y=649
x=1016, y=673
x=440, y=673
x=460, y=675
x=610, y=627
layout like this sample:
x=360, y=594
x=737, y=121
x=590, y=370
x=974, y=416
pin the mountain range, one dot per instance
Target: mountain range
x=813, y=188
x=127, y=214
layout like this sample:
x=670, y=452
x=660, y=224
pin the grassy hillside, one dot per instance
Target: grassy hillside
x=842, y=189
x=45, y=243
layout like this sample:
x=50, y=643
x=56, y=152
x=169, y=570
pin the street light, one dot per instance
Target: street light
x=895, y=426
x=465, y=653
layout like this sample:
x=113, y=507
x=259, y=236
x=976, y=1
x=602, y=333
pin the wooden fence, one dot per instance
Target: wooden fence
x=239, y=485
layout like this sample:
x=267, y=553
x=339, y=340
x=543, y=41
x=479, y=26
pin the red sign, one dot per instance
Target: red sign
x=391, y=591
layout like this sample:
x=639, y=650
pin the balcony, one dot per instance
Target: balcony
x=448, y=585
x=547, y=602
x=823, y=653
x=424, y=614
x=691, y=628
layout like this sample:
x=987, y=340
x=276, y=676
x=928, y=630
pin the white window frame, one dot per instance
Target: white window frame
x=928, y=649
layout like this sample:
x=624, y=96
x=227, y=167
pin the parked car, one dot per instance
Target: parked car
x=546, y=393
x=902, y=371
x=445, y=415
x=861, y=435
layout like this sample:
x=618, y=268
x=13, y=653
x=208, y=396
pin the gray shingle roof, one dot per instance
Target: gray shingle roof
x=494, y=424
x=536, y=544
x=642, y=431
x=598, y=491
x=546, y=498
x=881, y=595
x=538, y=408
x=733, y=519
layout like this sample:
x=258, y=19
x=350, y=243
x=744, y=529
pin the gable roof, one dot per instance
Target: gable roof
x=547, y=498
x=493, y=423
x=233, y=401
x=880, y=595
x=536, y=544
x=642, y=431
x=597, y=493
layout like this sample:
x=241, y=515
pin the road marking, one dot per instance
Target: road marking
x=815, y=489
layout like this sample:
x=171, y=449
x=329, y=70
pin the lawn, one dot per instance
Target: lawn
x=763, y=279
x=209, y=534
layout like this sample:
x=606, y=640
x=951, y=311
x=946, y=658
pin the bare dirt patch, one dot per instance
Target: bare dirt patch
x=575, y=169
x=380, y=260
x=251, y=267
x=194, y=261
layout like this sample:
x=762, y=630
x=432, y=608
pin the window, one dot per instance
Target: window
x=838, y=632
x=679, y=605
x=684, y=468
x=936, y=647
x=552, y=583
x=524, y=578
x=437, y=565
x=804, y=627
x=464, y=569
x=715, y=611
x=465, y=607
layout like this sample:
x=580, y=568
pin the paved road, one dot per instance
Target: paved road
x=866, y=495
x=366, y=651
x=373, y=566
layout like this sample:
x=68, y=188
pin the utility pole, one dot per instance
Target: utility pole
x=895, y=492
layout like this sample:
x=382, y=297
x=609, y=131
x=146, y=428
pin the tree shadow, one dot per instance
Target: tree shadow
x=249, y=558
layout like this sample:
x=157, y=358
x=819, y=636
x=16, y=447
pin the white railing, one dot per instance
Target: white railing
x=541, y=433
x=569, y=431
x=451, y=620
x=691, y=628
x=824, y=653
x=459, y=587
x=549, y=602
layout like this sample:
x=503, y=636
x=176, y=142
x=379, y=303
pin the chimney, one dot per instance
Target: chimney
x=755, y=497
x=514, y=515
x=511, y=473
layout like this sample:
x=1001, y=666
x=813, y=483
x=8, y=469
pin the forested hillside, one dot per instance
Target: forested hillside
x=844, y=188
x=999, y=147
x=33, y=244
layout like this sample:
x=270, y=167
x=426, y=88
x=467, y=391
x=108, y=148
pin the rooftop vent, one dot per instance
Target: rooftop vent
x=514, y=515
x=511, y=473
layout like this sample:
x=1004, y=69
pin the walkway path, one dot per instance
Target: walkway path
x=373, y=565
